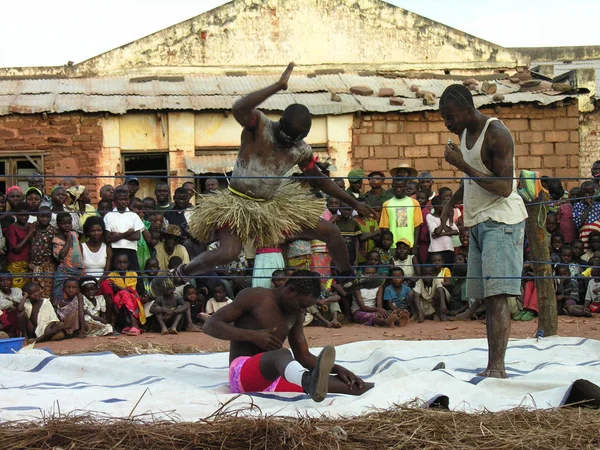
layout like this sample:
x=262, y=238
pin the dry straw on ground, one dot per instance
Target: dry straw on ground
x=402, y=428
x=127, y=348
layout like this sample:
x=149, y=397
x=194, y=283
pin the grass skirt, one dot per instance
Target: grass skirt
x=262, y=222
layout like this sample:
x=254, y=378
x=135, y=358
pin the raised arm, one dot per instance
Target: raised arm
x=244, y=109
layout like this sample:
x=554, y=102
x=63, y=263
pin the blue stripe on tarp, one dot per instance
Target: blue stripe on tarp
x=82, y=385
x=19, y=408
x=203, y=367
x=112, y=400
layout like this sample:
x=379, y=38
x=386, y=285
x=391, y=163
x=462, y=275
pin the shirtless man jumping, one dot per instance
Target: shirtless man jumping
x=261, y=204
x=258, y=322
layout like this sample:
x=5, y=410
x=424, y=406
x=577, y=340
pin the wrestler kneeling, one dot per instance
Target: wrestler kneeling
x=258, y=322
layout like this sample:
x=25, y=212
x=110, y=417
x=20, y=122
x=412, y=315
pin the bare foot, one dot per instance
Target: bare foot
x=336, y=324
x=193, y=328
x=421, y=318
x=172, y=331
x=328, y=324
x=414, y=318
x=391, y=320
x=436, y=318
x=164, y=331
x=445, y=318
x=493, y=373
x=464, y=316
x=403, y=318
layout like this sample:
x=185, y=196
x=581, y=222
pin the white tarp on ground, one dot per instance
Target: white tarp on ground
x=192, y=386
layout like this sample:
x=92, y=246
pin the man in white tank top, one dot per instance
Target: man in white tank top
x=493, y=211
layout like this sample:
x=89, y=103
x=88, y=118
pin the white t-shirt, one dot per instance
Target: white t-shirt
x=117, y=222
x=369, y=298
x=590, y=296
x=442, y=243
x=212, y=306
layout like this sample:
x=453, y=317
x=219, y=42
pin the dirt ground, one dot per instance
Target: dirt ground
x=319, y=336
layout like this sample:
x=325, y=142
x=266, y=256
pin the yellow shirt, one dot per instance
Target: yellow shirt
x=129, y=281
x=401, y=216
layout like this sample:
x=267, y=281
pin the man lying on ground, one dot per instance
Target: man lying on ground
x=258, y=322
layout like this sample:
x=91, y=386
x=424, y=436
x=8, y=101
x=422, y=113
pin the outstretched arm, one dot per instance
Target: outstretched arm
x=244, y=109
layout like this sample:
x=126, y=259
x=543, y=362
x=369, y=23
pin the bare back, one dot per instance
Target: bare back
x=265, y=314
x=261, y=156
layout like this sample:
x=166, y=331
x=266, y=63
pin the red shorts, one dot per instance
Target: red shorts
x=595, y=308
x=245, y=376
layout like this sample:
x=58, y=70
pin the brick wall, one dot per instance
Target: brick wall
x=546, y=139
x=71, y=143
x=589, y=136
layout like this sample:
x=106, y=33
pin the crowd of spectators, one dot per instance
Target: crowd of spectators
x=68, y=268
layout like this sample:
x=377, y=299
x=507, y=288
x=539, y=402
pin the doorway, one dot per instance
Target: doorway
x=149, y=168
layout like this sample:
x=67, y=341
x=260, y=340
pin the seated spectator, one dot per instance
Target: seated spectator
x=218, y=300
x=196, y=300
x=96, y=254
x=593, y=245
x=374, y=259
x=367, y=306
x=440, y=235
x=37, y=318
x=592, y=296
x=385, y=250
x=162, y=193
x=171, y=311
x=18, y=239
x=267, y=260
x=171, y=246
x=41, y=258
x=94, y=308
x=107, y=194
x=429, y=297
x=123, y=228
x=299, y=255
x=350, y=232
x=10, y=297
x=556, y=244
x=122, y=287
x=404, y=259
x=59, y=198
x=146, y=277
x=397, y=296
x=566, y=257
x=67, y=253
x=80, y=203
x=567, y=291
x=327, y=310
x=70, y=309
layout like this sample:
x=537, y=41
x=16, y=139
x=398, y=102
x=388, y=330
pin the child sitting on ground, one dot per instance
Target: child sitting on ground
x=567, y=291
x=196, y=300
x=367, y=306
x=429, y=297
x=94, y=308
x=168, y=308
x=70, y=309
x=374, y=259
x=592, y=296
x=327, y=309
x=404, y=258
x=122, y=286
x=385, y=250
x=37, y=317
x=10, y=297
x=397, y=297
x=218, y=300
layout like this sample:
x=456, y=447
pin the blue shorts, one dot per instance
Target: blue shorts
x=495, y=250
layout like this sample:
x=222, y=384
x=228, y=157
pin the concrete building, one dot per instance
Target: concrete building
x=161, y=105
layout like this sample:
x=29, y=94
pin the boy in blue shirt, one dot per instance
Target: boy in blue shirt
x=398, y=296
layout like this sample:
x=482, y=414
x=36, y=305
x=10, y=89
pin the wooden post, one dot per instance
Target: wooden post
x=539, y=250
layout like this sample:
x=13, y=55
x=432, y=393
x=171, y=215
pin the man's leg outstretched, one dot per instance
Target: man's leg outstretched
x=228, y=251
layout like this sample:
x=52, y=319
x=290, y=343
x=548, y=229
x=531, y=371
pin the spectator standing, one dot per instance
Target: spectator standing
x=107, y=193
x=33, y=198
x=18, y=238
x=123, y=229
x=80, y=203
x=402, y=216
x=97, y=254
x=426, y=184
x=59, y=197
x=67, y=252
x=355, y=178
x=14, y=196
x=177, y=215
x=36, y=180
x=162, y=194
x=133, y=185
x=41, y=259
x=377, y=196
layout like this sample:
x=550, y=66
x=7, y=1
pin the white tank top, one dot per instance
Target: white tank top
x=480, y=204
x=94, y=262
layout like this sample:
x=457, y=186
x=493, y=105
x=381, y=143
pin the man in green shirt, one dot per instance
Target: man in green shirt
x=377, y=196
x=355, y=178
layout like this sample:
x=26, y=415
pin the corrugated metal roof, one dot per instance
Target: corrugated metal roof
x=118, y=95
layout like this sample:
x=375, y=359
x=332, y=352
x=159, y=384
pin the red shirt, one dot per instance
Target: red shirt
x=14, y=235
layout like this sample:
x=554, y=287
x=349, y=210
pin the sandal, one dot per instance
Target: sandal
x=125, y=330
x=134, y=332
x=527, y=316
